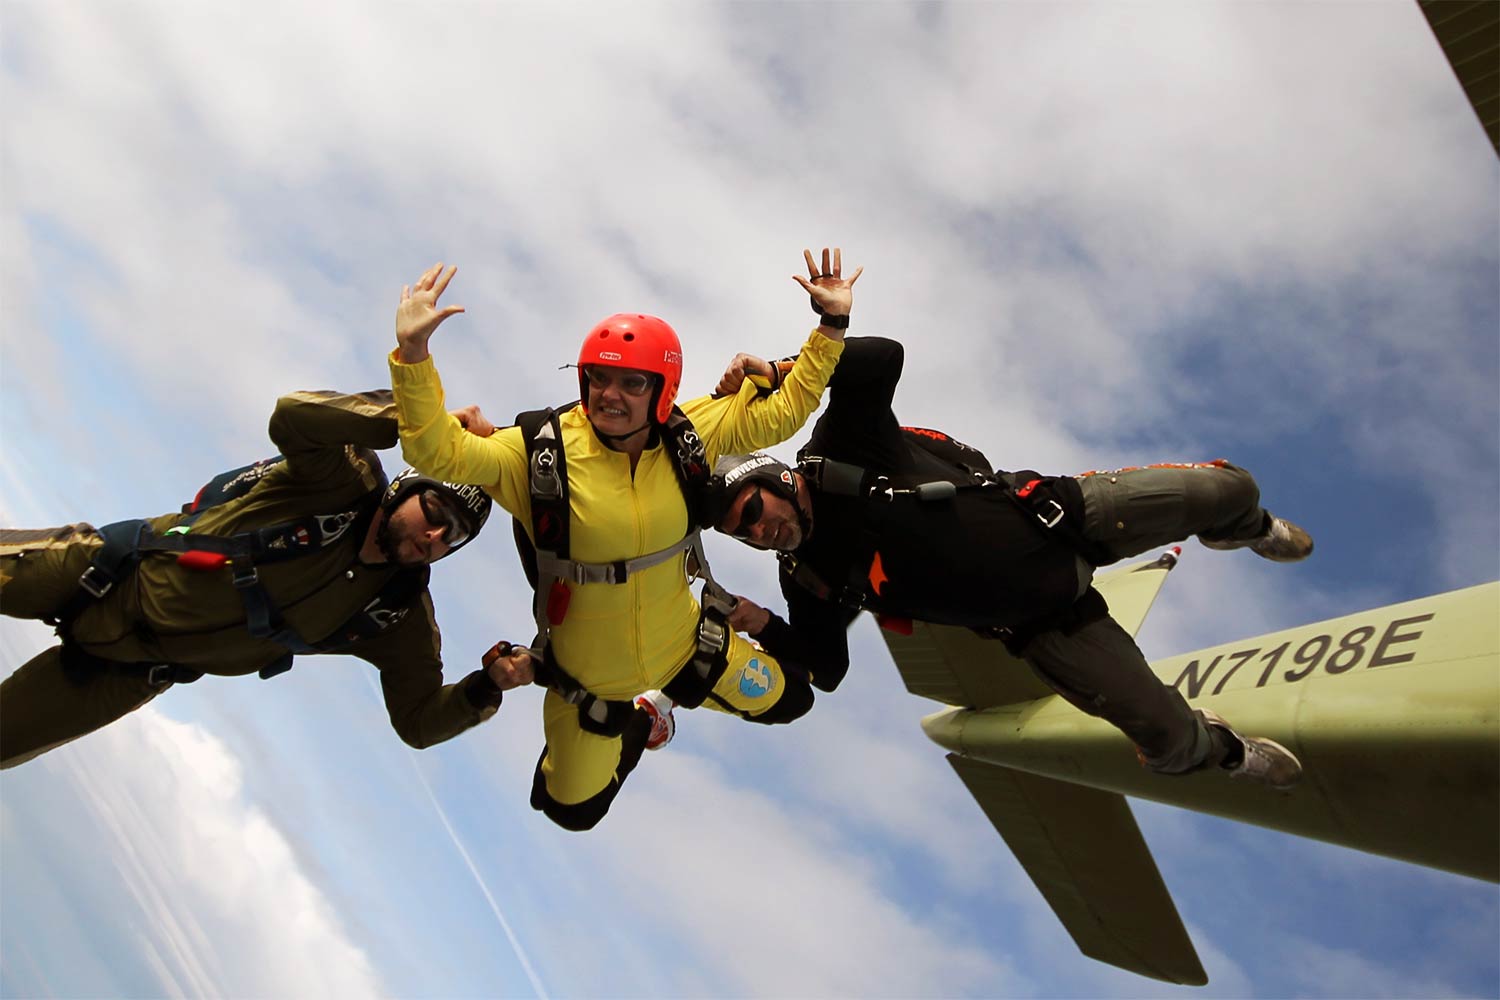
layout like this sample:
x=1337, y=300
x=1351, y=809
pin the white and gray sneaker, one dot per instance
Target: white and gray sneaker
x=659, y=707
x=1282, y=542
x=1263, y=760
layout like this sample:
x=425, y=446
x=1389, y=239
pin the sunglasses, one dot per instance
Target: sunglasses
x=750, y=514
x=630, y=383
x=440, y=514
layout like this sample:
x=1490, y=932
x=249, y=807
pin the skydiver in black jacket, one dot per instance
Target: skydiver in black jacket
x=911, y=524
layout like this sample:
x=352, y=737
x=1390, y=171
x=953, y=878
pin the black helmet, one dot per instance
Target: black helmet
x=732, y=473
x=471, y=502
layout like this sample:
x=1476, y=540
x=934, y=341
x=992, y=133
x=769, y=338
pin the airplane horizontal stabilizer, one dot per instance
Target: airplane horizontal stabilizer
x=1082, y=848
x=957, y=666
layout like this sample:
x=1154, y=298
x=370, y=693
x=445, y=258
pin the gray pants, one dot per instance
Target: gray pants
x=1098, y=667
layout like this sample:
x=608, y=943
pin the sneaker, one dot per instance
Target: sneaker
x=659, y=707
x=1263, y=760
x=1282, y=542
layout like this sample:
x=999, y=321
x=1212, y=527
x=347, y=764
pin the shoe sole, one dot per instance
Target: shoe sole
x=1215, y=719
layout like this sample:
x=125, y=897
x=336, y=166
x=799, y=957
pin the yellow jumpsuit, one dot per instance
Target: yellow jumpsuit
x=617, y=640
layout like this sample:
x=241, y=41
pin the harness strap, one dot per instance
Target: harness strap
x=600, y=716
x=827, y=475
x=551, y=570
x=79, y=665
x=125, y=542
x=694, y=683
x=611, y=572
x=1038, y=497
x=116, y=558
x=1087, y=609
x=851, y=595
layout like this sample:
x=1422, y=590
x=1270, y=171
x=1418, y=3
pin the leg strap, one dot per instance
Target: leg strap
x=596, y=715
x=79, y=666
x=1089, y=608
x=116, y=559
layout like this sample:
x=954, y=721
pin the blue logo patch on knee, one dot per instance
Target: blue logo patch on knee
x=756, y=679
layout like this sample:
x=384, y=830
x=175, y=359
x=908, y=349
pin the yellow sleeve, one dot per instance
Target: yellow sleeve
x=747, y=421
x=436, y=444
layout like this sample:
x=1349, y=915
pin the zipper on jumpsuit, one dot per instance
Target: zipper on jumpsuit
x=643, y=682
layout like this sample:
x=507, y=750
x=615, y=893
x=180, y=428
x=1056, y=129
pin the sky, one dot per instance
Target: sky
x=1108, y=235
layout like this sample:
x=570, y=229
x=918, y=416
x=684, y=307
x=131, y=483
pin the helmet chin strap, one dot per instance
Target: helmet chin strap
x=804, y=517
x=620, y=437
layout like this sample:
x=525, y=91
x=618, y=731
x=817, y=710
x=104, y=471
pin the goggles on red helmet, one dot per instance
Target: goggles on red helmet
x=639, y=343
x=631, y=383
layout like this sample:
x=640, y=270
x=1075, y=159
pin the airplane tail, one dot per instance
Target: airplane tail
x=1080, y=846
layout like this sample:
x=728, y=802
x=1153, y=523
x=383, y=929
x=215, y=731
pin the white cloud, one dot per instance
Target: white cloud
x=214, y=897
x=1224, y=221
x=770, y=901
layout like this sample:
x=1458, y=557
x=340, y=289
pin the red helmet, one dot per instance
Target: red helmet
x=644, y=343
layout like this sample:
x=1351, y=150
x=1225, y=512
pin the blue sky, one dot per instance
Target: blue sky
x=1107, y=235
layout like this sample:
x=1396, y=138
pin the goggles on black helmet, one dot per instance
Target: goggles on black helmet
x=460, y=509
x=733, y=474
x=440, y=514
x=750, y=515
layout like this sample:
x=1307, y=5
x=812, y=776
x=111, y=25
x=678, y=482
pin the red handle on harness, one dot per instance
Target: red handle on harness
x=203, y=562
x=558, y=597
x=901, y=626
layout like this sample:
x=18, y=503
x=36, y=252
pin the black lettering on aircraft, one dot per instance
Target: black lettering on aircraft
x=1345, y=655
x=1308, y=655
x=1194, y=682
x=1272, y=658
x=1238, y=659
x=1391, y=637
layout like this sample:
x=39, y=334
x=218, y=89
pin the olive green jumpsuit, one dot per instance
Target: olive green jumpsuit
x=193, y=621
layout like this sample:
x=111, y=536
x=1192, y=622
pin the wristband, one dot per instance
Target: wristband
x=834, y=322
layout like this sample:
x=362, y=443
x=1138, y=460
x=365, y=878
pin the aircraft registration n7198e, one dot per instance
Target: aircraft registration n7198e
x=1393, y=713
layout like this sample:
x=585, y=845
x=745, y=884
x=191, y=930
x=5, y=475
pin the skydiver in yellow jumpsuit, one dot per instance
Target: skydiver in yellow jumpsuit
x=624, y=501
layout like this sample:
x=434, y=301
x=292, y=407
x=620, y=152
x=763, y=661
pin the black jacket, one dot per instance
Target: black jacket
x=978, y=559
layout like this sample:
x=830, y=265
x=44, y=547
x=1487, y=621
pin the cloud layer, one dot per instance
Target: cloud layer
x=1107, y=235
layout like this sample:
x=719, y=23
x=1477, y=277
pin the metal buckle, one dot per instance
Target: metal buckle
x=580, y=573
x=712, y=636
x=160, y=675
x=1050, y=522
x=881, y=489
x=244, y=577
x=544, y=474
x=96, y=582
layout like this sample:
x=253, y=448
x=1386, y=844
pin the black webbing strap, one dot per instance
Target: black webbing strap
x=596, y=715
x=1087, y=609
x=546, y=558
x=1038, y=496
x=125, y=542
x=116, y=559
x=80, y=666
x=695, y=682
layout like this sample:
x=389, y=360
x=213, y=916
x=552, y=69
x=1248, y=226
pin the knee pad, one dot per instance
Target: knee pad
x=578, y=817
x=796, y=701
x=585, y=815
